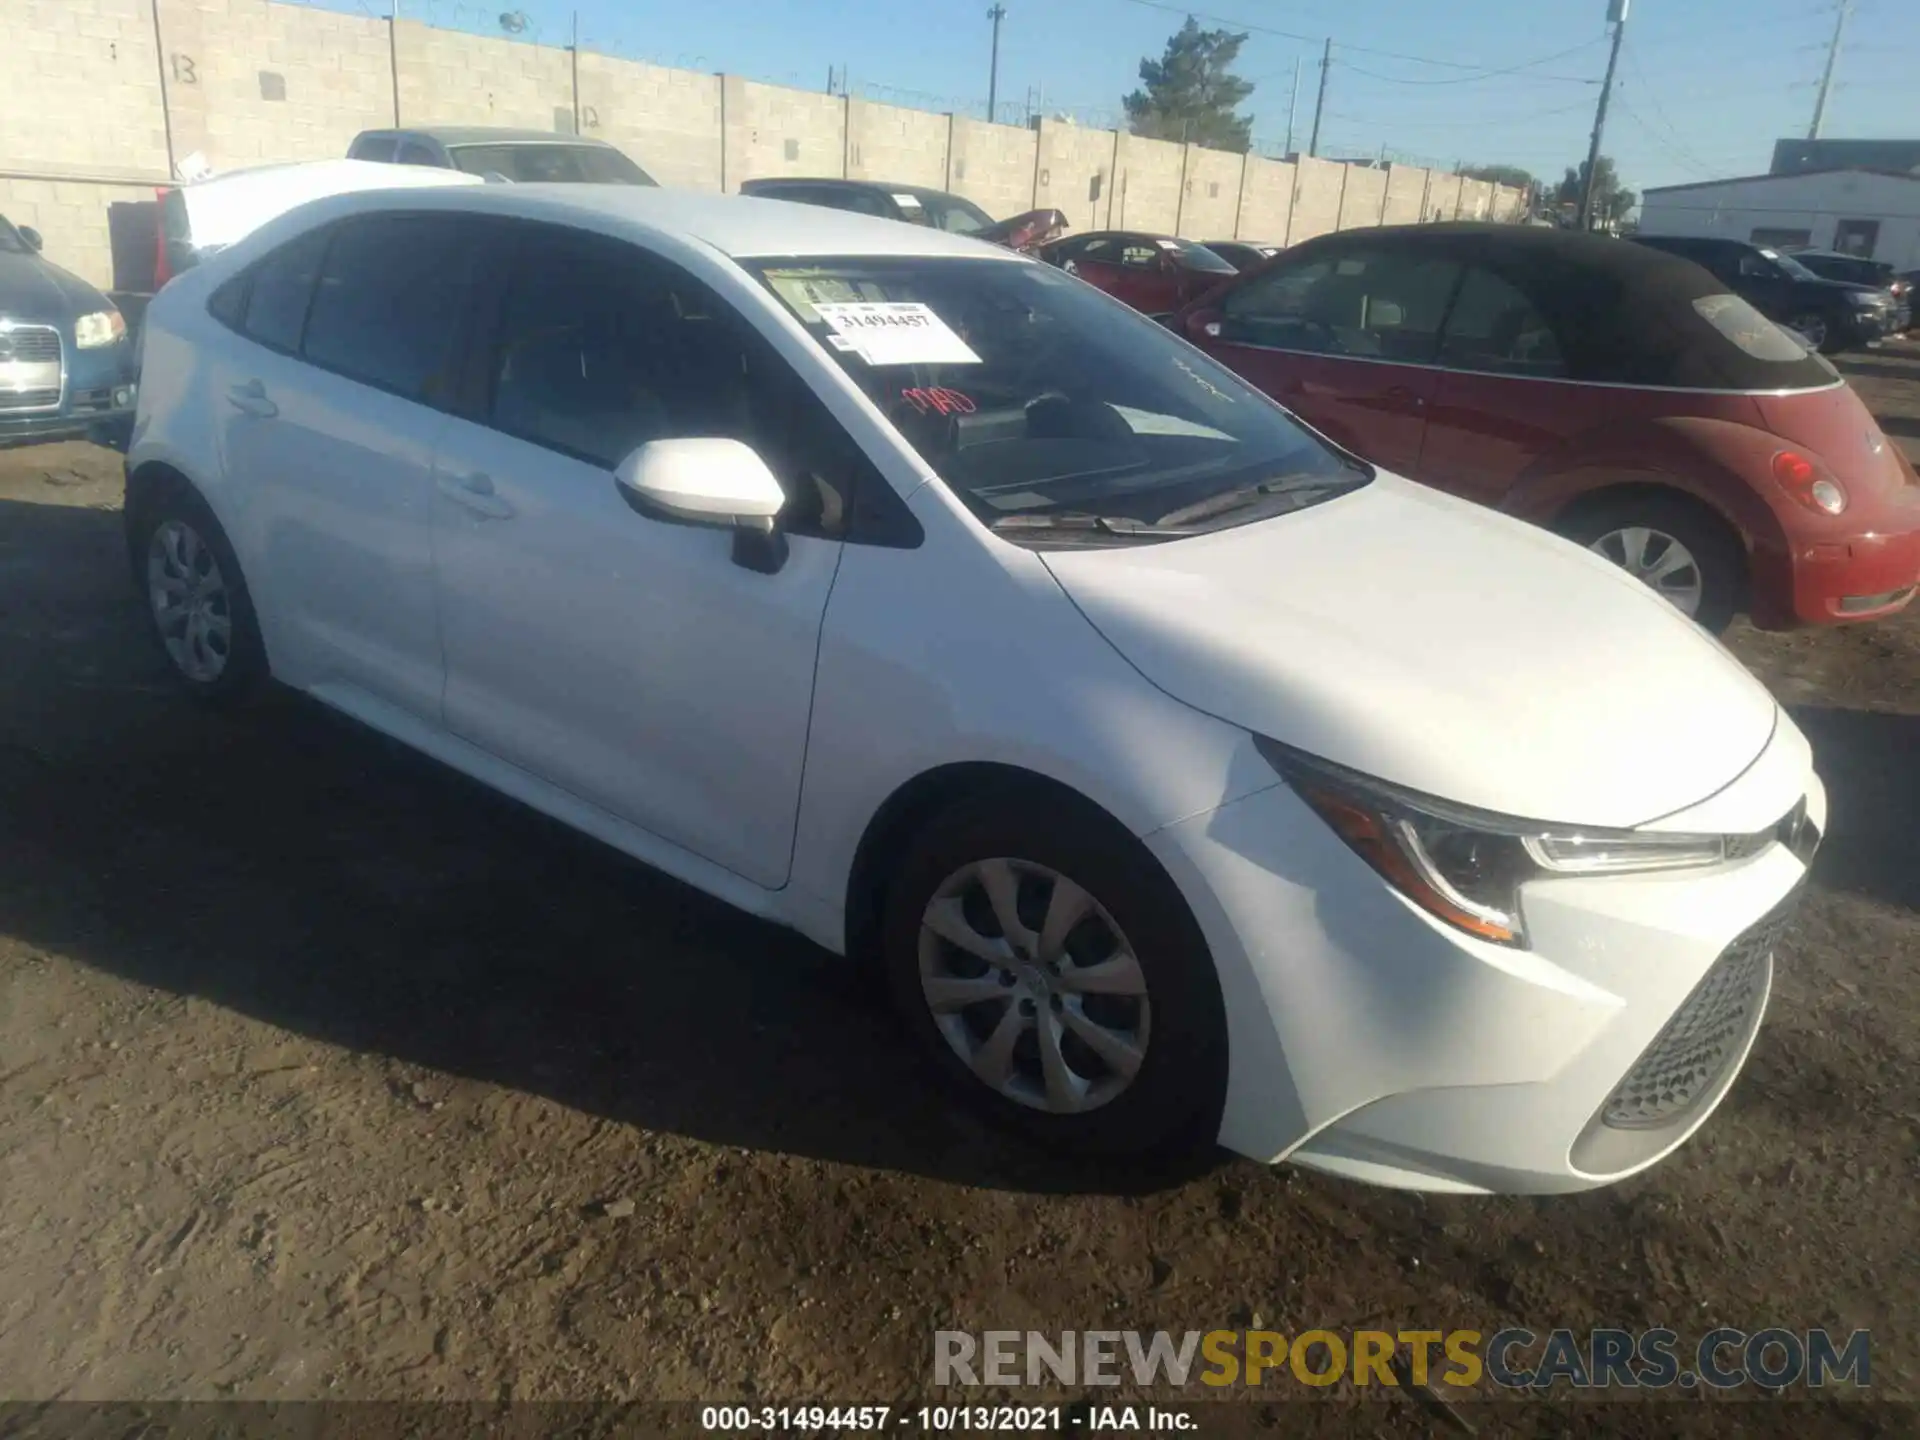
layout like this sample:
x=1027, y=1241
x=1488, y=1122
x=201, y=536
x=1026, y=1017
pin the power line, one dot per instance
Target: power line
x=1488, y=74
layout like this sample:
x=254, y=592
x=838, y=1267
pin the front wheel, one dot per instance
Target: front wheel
x=1684, y=554
x=1050, y=971
x=1812, y=327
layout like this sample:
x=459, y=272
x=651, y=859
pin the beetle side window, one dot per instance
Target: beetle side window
x=412, y=152
x=601, y=348
x=1369, y=304
x=374, y=147
x=281, y=287
x=1495, y=329
x=388, y=306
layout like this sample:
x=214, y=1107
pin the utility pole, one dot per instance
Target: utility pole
x=1319, y=105
x=1833, y=58
x=996, y=15
x=1293, y=105
x=573, y=52
x=1617, y=17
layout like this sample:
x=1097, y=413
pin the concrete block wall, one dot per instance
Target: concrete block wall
x=88, y=89
x=770, y=130
x=1210, y=198
x=1146, y=187
x=1363, y=198
x=1266, y=201
x=1075, y=173
x=889, y=143
x=1317, y=189
x=1406, y=195
x=667, y=120
x=250, y=82
x=993, y=166
x=1443, y=196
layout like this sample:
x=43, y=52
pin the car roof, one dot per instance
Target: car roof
x=451, y=135
x=1621, y=314
x=1819, y=254
x=876, y=187
x=737, y=226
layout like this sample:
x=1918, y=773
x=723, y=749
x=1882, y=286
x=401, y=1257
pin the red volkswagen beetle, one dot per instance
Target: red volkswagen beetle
x=1610, y=391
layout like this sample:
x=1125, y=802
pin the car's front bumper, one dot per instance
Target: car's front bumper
x=1370, y=1040
x=90, y=393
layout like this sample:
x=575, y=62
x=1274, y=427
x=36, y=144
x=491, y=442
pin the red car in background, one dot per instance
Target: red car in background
x=1155, y=274
x=1610, y=391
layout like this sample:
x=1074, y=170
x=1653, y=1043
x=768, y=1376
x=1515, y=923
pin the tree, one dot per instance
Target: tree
x=1501, y=175
x=1611, y=199
x=1190, y=95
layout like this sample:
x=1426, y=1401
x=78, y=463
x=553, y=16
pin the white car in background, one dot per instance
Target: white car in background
x=1178, y=774
x=203, y=217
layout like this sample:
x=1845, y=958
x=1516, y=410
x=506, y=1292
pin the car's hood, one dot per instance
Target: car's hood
x=1447, y=648
x=35, y=289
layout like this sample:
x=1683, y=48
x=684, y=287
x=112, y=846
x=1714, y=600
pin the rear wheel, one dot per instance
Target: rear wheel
x=1683, y=553
x=197, y=602
x=1050, y=972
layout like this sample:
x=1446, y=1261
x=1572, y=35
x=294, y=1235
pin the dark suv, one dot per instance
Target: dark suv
x=1830, y=315
x=1833, y=265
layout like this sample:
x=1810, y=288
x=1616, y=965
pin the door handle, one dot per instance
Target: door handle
x=1403, y=399
x=250, y=398
x=475, y=492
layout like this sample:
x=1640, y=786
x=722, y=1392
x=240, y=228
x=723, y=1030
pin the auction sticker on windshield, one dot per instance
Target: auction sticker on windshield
x=900, y=332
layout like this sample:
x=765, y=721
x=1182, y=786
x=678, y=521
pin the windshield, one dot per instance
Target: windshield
x=11, y=242
x=1792, y=266
x=1035, y=397
x=952, y=214
x=1198, y=257
x=543, y=162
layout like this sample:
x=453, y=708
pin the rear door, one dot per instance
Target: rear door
x=1346, y=338
x=1149, y=277
x=329, y=419
x=1501, y=402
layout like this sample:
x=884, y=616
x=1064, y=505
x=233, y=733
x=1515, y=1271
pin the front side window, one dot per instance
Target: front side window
x=377, y=148
x=549, y=162
x=412, y=152
x=1139, y=255
x=1369, y=304
x=1494, y=328
x=389, y=303
x=1041, y=403
x=601, y=348
x=955, y=215
x=281, y=287
x=11, y=240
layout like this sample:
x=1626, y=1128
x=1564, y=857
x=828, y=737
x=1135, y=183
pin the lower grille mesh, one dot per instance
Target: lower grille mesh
x=1680, y=1067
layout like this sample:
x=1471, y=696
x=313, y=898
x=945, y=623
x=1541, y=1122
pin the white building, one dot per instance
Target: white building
x=1874, y=213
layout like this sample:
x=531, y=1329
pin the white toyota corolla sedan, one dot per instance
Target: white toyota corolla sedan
x=1180, y=775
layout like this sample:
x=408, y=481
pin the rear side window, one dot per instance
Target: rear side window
x=389, y=303
x=1746, y=327
x=281, y=287
x=1495, y=329
x=374, y=147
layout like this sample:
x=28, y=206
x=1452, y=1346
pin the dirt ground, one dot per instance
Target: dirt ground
x=325, y=1074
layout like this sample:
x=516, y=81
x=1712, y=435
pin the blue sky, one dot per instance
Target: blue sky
x=1704, y=88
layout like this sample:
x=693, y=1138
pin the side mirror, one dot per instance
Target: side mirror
x=709, y=481
x=1202, y=326
x=31, y=236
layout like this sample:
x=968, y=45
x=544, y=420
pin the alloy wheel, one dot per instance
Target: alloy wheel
x=191, y=605
x=1810, y=328
x=1657, y=560
x=1034, y=986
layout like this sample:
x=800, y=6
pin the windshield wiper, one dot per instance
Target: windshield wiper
x=1075, y=520
x=1245, y=495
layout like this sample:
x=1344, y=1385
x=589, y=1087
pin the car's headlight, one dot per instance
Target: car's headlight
x=1467, y=866
x=102, y=327
x=1864, y=299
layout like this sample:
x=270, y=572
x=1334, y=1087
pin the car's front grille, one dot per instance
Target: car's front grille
x=29, y=368
x=1692, y=1051
x=30, y=344
x=11, y=400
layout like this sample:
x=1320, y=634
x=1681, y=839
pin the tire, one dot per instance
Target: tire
x=1169, y=1106
x=213, y=651
x=1814, y=328
x=1607, y=528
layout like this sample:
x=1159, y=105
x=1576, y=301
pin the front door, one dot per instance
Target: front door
x=330, y=410
x=623, y=658
x=1347, y=341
